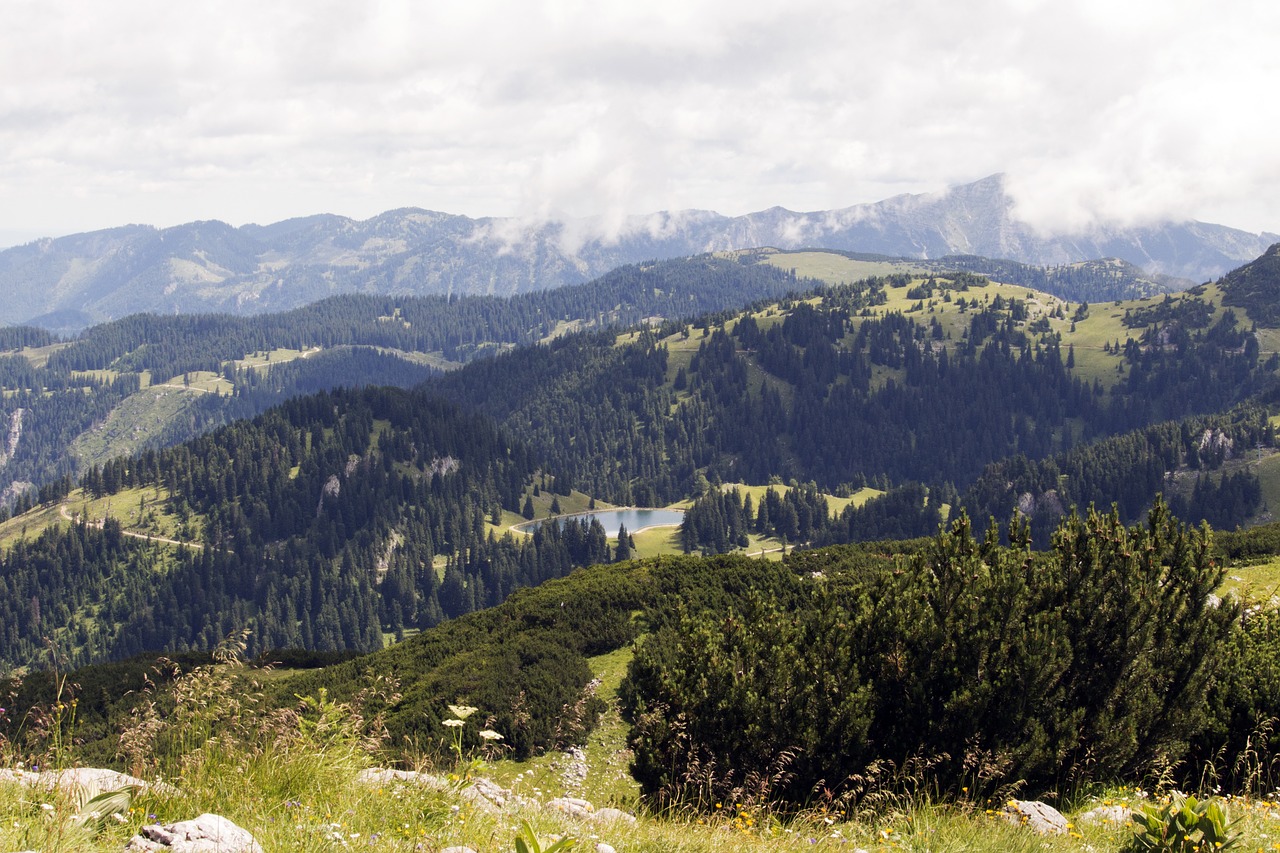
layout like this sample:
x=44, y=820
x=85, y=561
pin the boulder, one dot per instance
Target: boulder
x=612, y=815
x=572, y=806
x=209, y=833
x=489, y=795
x=84, y=782
x=1040, y=817
x=387, y=776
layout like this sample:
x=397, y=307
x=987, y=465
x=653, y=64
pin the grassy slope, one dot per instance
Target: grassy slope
x=835, y=268
x=289, y=803
x=140, y=511
x=296, y=791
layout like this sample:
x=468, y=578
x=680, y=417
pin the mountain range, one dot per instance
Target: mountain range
x=71, y=282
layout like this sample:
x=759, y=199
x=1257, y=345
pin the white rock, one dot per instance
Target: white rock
x=601, y=847
x=1107, y=814
x=572, y=806
x=457, y=850
x=612, y=815
x=209, y=833
x=387, y=776
x=489, y=795
x=85, y=782
x=1040, y=817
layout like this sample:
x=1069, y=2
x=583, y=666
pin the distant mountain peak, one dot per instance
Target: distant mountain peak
x=212, y=266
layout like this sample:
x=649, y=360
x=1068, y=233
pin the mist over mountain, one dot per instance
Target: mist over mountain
x=74, y=281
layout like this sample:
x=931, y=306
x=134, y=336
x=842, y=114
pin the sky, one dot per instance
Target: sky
x=1098, y=112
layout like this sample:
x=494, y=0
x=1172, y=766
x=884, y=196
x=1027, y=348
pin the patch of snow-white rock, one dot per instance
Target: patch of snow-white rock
x=84, y=782
x=208, y=833
x=1037, y=816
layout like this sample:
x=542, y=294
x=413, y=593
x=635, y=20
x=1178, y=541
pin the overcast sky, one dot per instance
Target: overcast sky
x=166, y=112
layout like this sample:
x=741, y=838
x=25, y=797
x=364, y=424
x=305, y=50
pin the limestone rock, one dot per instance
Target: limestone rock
x=612, y=815
x=572, y=806
x=487, y=794
x=457, y=850
x=209, y=833
x=1119, y=815
x=1040, y=817
x=387, y=776
x=85, y=782
x=601, y=847
x=481, y=793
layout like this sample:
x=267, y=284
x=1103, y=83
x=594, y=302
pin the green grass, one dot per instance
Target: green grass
x=1268, y=471
x=834, y=268
x=141, y=512
x=656, y=541
x=291, y=782
x=836, y=504
x=608, y=780
x=574, y=502
x=292, y=799
x=29, y=525
x=132, y=425
x=39, y=356
x=1103, y=326
x=265, y=360
x=434, y=359
x=197, y=382
x=1257, y=581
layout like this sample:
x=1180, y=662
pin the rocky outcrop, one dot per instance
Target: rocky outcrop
x=208, y=833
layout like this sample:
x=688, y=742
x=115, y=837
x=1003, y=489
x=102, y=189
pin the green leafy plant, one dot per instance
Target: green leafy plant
x=527, y=841
x=94, y=814
x=1182, y=825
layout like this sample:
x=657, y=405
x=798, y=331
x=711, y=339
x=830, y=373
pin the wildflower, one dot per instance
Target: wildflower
x=453, y=724
x=490, y=734
x=462, y=711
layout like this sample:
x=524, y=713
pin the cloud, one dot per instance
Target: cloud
x=140, y=111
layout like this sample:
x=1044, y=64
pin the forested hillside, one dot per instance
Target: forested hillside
x=886, y=381
x=321, y=525
x=103, y=381
x=341, y=519
x=65, y=389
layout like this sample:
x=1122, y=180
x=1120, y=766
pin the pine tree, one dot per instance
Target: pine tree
x=623, y=551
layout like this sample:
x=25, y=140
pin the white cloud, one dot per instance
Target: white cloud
x=246, y=111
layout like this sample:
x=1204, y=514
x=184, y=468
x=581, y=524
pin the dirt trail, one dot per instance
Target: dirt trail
x=66, y=513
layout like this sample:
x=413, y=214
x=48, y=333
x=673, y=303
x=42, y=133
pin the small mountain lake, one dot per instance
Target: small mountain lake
x=635, y=519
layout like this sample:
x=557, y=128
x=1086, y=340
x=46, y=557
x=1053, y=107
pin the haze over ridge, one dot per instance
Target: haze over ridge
x=212, y=266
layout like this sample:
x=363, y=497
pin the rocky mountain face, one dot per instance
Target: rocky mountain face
x=73, y=281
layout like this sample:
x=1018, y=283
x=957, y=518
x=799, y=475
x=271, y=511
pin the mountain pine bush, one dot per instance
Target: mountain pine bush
x=987, y=664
